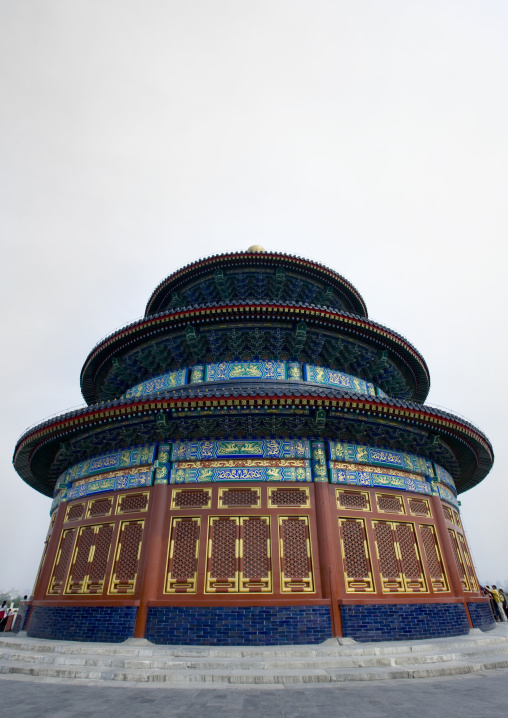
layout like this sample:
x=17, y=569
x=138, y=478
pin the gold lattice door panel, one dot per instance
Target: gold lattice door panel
x=295, y=554
x=128, y=551
x=473, y=581
x=255, y=573
x=222, y=555
x=182, y=570
x=459, y=560
x=62, y=560
x=87, y=573
x=238, y=555
x=355, y=556
x=399, y=558
x=434, y=558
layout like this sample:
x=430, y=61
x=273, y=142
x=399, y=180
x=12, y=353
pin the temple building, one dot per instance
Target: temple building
x=255, y=465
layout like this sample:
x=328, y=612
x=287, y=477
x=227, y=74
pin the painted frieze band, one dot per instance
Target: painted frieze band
x=274, y=370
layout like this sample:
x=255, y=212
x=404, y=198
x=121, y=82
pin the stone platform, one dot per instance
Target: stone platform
x=337, y=660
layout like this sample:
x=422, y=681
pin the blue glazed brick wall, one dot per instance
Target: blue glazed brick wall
x=481, y=616
x=238, y=625
x=404, y=621
x=21, y=618
x=83, y=623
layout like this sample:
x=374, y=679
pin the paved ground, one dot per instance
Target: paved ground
x=466, y=696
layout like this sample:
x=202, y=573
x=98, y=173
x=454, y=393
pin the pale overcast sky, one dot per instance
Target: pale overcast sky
x=138, y=136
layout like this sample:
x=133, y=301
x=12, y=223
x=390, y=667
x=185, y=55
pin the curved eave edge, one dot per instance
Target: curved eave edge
x=157, y=323
x=247, y=257
x=81, y=420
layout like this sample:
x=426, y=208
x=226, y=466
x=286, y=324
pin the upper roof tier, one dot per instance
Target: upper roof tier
x=255, y=275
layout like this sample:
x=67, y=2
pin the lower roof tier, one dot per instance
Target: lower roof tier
x=238, y=410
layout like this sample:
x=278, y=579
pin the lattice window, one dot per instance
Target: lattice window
x=456, y=517
x=356, y=500
x=412, y=569
x=128, y=551
x=288, y=497
x=255, y=560
x=183, y=555
x=296, y=561
x=355, y=554
x=458, y=560
x=447, y=513
x=99, y=507
x=433, y=556
x=132, y=503
x=75, y=512
x=240, y=497
x=419, y=507
x=388, y=503
x=62, y=561
x=191, y=498
x=88, y=569
x=473, y=581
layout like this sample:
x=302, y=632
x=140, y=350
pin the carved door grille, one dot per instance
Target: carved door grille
x=355, y=555
x=388, y=503
x=183, y=555
x=399, y=559
x=356, y=500
x=191, y=498
x=434, y=560
x=448, y=513
x=131, y=503
x=295, y=553
x=99, y=507
x=75, y=512
x=89, y=563
x=62, y=561
x=458, y=560
x=419, y=507
x=288, y=497
x=239, y=497
x=128, y=551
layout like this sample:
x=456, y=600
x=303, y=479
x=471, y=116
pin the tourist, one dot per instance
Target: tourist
x=504, y=600
x=499, y=604
x=4, y=609
x=493, y=605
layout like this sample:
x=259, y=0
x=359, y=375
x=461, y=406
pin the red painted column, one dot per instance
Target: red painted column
x=152, y=553
x=327, y=562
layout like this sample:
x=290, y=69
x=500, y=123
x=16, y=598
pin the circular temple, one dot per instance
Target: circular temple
x=254, y=466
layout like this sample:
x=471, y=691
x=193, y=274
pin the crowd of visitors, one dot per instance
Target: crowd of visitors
x=498, y=601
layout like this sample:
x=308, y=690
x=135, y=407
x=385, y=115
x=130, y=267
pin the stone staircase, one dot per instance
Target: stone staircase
x=138, y=661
